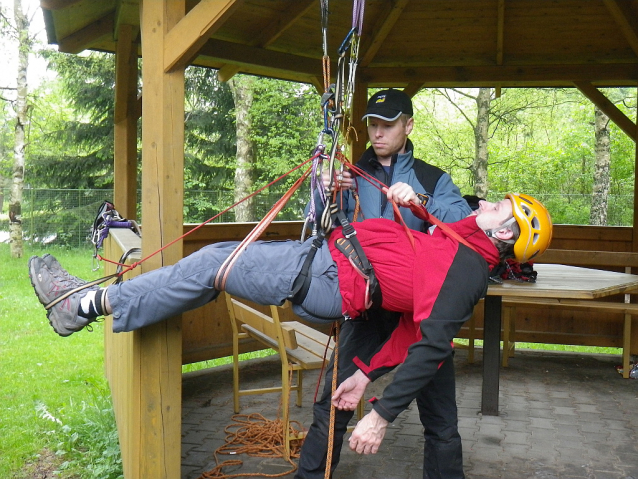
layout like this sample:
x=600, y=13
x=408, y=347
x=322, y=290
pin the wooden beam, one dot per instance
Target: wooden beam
x=186, y=38
x=226, y=72
x=359, y=105
x=500, y=22
x=127, y=12
x=84, y=38
x=412, y=89
x=160, y=345
x=125, y=131
x=607, y=107
x=57, y=4
x=634, y=228
x=500, y=31
x=626, y=19
x=383, y=26
x=246, y=57
x=268, y=35
x=507, y=75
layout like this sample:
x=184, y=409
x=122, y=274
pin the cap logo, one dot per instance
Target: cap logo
x=381, y=99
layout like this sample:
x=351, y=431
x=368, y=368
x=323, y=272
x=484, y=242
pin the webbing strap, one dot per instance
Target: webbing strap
x=301, y=285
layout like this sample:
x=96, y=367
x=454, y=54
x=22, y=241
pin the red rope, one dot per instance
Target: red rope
x=417, y=209
x=132, y=266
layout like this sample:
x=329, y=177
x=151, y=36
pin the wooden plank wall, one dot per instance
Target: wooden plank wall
x=574, y=327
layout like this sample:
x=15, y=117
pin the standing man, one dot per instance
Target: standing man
x=390, y=159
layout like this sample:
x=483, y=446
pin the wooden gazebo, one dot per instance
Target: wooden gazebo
x=408, y=44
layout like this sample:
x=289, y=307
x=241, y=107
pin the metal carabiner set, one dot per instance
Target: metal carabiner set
x=336, y=102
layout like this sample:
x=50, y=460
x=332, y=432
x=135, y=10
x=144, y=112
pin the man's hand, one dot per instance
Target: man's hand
x=402, y=194
x=350, y=392
x=343, y=181
x=368, y=434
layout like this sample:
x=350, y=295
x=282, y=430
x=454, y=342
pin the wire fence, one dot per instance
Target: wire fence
x=64, y=217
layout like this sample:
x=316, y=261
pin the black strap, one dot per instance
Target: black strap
x=301, y=285
x=351, y=247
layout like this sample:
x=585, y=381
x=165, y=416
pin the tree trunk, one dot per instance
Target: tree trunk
x=22, y=120
x=242, y=89
x=600, y=193
x=481, y=132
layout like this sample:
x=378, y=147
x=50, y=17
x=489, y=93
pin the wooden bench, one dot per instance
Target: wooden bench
x=590, y=259
x=300, y=348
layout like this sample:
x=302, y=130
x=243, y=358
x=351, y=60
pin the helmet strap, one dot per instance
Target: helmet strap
x=492, y=232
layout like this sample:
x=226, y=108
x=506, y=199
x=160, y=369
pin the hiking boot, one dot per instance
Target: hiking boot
x=63, y=316
x=62, y=274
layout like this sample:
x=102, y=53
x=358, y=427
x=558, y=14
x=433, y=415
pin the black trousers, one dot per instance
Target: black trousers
x=443, y=456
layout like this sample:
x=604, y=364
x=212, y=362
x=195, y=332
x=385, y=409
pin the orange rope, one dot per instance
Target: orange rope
x=331, y=427
x=256, y=436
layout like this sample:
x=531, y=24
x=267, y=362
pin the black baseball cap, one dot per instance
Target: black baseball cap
x=388, y=105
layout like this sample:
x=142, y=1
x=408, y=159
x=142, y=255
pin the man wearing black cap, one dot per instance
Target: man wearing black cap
x=390, y=159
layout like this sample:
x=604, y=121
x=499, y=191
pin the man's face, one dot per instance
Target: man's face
x=388, y=137
x=492, y=215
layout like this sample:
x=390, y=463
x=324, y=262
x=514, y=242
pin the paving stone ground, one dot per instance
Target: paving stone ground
x=564, y=415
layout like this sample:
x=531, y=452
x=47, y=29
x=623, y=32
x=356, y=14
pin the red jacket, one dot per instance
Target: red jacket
x=411, y=281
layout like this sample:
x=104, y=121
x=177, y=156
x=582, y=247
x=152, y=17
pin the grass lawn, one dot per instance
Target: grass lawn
x=41, y=370
x=55, y=398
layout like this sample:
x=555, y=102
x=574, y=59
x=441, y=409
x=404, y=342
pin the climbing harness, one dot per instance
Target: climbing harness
x=108, y=217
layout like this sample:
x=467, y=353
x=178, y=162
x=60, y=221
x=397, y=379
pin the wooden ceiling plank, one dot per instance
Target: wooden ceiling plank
x=608, y=108
x=185, y=39
x=57, y=4
x=84, y=38
x=271, y=33
x=626, y=19
x=382, y=28
x=499, y=32
x=276, y=28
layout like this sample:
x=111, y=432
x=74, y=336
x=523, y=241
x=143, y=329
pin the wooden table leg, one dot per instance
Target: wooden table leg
x=491, y=355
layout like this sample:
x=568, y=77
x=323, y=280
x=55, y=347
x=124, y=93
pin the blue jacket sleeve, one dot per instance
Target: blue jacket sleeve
x=446, y=203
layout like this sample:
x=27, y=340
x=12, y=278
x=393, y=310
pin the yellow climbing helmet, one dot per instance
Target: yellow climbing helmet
x=536, y=226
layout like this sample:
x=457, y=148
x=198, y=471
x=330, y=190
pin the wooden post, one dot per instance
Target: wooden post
x=634, y=329
x=160, y=345
x=125, y=134
x=359, y=103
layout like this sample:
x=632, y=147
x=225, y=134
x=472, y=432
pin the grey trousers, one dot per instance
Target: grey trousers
x=263, y=273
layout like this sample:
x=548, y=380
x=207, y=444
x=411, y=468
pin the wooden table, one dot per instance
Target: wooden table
x=554, y=281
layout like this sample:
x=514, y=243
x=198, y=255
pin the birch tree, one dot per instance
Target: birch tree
x=19, y=32
x=480, y=126
x=602, y=177
x=242, y=89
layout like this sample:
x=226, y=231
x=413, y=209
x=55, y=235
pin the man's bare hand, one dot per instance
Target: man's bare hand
x=368, y=434
x=402, y=194
x=350, y=392
x=343, y=181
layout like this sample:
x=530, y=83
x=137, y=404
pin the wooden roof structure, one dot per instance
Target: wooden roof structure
x=408, y=44
x=404, y=42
